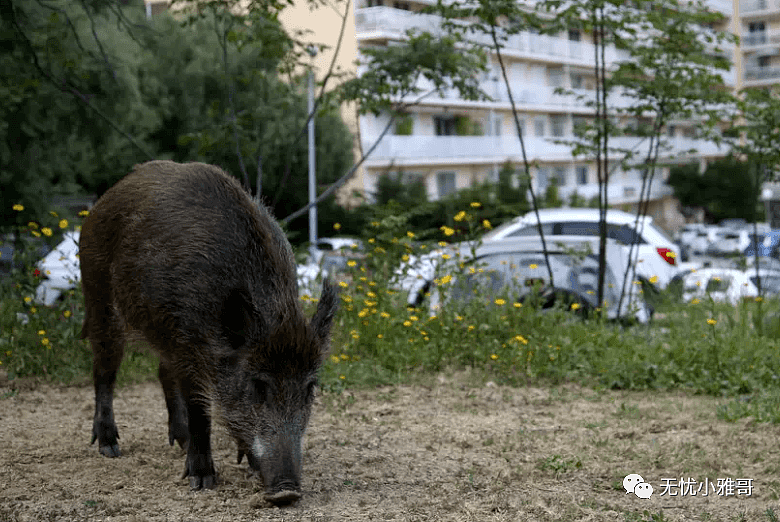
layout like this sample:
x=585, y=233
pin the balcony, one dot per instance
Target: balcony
x=758, y=38
x=454, y=150
x=386, y=22
x=752, y=7
x=762, y=73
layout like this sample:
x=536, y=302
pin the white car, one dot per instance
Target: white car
x=59, y=269
x=704, y=239
x=516, y=266
x=655, y=253
x=729, y=284
x=729, y=241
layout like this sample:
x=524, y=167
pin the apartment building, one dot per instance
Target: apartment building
x=451, y=143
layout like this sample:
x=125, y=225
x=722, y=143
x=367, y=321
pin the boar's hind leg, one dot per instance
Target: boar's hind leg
x=108, y=351
x=177, y=409
x=199, y=466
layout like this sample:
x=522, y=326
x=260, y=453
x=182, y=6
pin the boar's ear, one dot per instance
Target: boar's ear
x=237, y=316
x=326, y=310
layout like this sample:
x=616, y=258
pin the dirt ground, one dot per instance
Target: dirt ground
x=452, y=450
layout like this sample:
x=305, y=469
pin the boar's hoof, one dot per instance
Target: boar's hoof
x=206, y=482
x=109, y=449
x=284, y=497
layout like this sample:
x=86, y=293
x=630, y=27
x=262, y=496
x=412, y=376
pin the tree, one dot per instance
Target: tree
x=671, y=72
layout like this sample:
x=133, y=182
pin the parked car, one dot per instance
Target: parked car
x=517, y=265
x=768, y=244
x=730, y=284
x=8, y=255
x=703, y=239
x=728, y=241
x=655, y=252
x=685, y=237
x=59, y=269
x=329, y=257
x=327, y=244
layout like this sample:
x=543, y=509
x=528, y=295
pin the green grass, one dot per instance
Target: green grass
x=706, y=348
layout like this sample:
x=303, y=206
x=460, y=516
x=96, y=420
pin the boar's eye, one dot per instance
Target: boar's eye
x=259, y=391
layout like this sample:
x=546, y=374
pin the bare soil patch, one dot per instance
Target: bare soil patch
x=447, y=451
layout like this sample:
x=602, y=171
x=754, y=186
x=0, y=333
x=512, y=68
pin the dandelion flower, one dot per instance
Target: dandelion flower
x=351, y=263
x=471, y=327
x=447, y=230
x=517, y=305
x=334, y=359
x=41, y=332
x=342, y=377
x=533, y=266
x=66, y=313
x=45, y=341
x=18, y=207
x=759, y=299
x=27, y=299
x=493, y=356
x=520, y=339
x=84, y=213
x=500, y=302
x=384, y=315
x=46, y=231
x=476, y=204
x=460, y=216
x=336, y=226
x=363, y=312
x=486, y=224
x=695, y=301
x=712, y=322
x=654, y=279
x=409, y=233
x=63, y=223
x=575, y=306
x=407, y=323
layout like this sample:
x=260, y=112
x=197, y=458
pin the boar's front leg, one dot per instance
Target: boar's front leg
x=199, y=465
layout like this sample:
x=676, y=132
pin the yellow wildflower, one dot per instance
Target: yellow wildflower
x=654, y=279
x=460, y=216
x=63, y=223
x=533, y=266
x=486, y=224
x=517, y=305
x=476, y=204
x=46, y=231
x=575, y=306
x=500, y=302
x=447, y=230
x=336, y=226
x=343, y=284
x=712, y=322
x=84, y=213
x=493, y=356
x=18, y=207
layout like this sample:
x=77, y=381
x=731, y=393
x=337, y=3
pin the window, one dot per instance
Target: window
x=581, y=172
x=547, y=230
x=374, y=3
x=558, y=125
x=763, y=61
x=556, y=77
x=542, y=178
x=444, y=125
x=577, y=81
x=445, y=183
x=671, y=130
x=624, y=234
x=539, y=126
x=574, y=35
x=559, y=174
x=401, y=5
x=498, y=122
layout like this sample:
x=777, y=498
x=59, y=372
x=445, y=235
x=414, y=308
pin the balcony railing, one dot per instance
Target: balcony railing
x=393, y=23
x=762, y=73
x=751, y=6
x=421, y=149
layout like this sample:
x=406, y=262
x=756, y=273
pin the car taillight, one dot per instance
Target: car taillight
x=668, y=255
